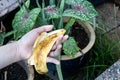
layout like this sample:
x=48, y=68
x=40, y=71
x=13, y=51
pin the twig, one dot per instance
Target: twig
x=81, y=56
x=28, y=69
x=112, y=29
x=5, y=75
x=2, y=27
x=31, y=73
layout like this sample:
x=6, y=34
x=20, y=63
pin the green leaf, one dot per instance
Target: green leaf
x=24, y=20
x=80, y=9
x=25, y=6
x=70, y=47
x=52, y=2
x=62, y=5
x=70, y=2
x=52, y=12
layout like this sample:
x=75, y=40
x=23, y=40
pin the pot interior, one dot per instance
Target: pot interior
x=91, y=35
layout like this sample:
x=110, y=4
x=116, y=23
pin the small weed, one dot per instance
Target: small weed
x=104, y=53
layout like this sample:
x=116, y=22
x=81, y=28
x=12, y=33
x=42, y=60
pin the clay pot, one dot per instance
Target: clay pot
x=70, y=65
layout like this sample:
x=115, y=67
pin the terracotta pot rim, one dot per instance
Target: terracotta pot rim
x=90, y=44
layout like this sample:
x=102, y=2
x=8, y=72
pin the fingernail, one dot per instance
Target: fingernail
x=59, y=46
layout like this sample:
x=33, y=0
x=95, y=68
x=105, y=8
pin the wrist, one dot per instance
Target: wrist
x=17, y=51
x=22, y=51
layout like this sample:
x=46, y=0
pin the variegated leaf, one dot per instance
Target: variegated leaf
x=52, y=12
x=24, y=20
x=81, y=9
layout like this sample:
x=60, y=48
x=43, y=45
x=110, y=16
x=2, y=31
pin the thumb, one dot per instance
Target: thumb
x=43, y=29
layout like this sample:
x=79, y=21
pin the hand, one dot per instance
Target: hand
x=56, y=50
x=27, y=41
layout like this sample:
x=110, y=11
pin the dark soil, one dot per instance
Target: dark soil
x=41, y=77
x=79, y=35
x=14, y=72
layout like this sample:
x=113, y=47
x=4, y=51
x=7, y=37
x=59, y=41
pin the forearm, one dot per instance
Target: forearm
x=8, y=54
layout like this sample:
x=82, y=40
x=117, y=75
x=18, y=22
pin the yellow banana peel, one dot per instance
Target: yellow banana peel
x=41, y=49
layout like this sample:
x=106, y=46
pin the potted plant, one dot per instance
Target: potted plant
x=64, y=14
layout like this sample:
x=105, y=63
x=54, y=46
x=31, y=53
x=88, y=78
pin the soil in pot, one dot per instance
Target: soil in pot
x=71, y=67
x=13, y=72
x=79, y=35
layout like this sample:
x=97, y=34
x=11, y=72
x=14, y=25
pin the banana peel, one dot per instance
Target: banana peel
x=41, y=49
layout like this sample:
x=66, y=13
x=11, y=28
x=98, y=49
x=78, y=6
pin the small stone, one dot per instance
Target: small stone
x=118, y=71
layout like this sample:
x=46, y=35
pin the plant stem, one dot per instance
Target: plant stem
x=59, y=71
x=26, y=7
x=43, y=6
x=54, y=28
x=62, y=5
x=69, y=24
x=52, y=2
x=9, y=34
x=37, y=2
x=61, y=11
x=60, y=23
x=19, y=3
x=43, y=13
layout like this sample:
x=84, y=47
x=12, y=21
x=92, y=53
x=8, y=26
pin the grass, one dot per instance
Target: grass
x=105, y=51
x=103, y=54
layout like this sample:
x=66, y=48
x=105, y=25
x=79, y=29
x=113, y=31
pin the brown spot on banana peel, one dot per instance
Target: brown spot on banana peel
x=40, y=38
x=42, y=49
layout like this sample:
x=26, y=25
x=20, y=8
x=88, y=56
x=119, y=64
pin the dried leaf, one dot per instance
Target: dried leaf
x=2, y=34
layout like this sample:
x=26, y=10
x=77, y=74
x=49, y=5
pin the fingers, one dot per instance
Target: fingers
x=52, y=60
x=65, y=38
x=35, y=32
x=57, y=47
x=59, y=41
x=43, y=29
x=56, y=52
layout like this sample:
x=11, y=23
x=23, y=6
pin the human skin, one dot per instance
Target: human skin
x=22, y=49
